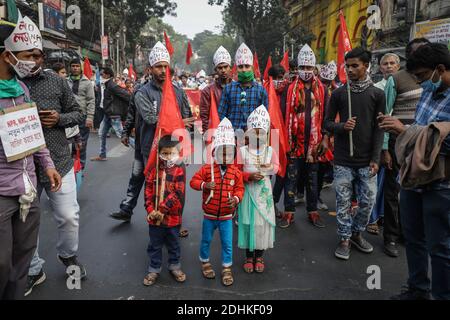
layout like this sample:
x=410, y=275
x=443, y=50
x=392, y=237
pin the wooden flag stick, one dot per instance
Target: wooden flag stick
x=157, y=172
x=349, y=94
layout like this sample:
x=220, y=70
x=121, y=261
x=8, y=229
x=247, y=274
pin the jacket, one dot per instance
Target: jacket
x=418, y=150
x=85, y=96
x=230, y=185
x=115, y=100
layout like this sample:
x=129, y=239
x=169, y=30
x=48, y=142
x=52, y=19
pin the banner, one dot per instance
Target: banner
x=194, y=101
x=21, y=131
x=435, y=31
x=105, y=48
x=52, y=17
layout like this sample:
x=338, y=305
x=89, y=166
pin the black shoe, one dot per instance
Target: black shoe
x=412, y=294
x=34, y=281
x=391, y=249
x=121, y=215
x=360, y=243
x=343, y=250
x=72, y=261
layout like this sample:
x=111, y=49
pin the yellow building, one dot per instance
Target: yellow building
x=321, y=18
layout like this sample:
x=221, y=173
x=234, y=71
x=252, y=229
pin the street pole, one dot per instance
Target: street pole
x=413, y=26
x=103, y=29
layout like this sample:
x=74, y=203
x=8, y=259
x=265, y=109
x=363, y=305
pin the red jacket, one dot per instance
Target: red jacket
x=174, y=192
x=231, y=185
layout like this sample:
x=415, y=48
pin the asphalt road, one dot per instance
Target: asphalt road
x=301, y=266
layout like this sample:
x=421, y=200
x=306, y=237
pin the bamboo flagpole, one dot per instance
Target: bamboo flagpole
x=157, y=172
x=349, y=94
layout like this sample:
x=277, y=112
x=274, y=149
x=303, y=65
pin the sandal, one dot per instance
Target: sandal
x=373, y=228
x=184, y=233
x=227, y=277
x=178, y=275
x=259, y=265
x=150, y=279
x=248, y=265
x=208, y=271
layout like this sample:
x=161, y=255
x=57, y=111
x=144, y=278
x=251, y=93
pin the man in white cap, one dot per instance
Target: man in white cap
x=19, y=204
x=304, y=118
x=240, y=98
x=147, y=100
x=222, y=67
x=58, y=110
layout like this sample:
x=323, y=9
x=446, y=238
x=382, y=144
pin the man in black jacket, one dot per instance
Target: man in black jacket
x=115, y=102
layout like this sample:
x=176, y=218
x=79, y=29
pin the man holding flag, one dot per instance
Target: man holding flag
x=222, y=66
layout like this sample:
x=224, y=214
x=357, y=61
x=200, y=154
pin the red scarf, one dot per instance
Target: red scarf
x=295, y=117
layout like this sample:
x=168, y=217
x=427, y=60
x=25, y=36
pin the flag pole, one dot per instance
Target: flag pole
x=349, y=94
x=157, y=172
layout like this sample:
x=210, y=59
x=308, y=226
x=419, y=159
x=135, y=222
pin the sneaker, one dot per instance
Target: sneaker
x=299, y=199
x=321, y=205
x=327, y=185
x=99, y=159
x=286, y=220
x=391, y=249
x=343, y=250
x=412, y=294
x=121, y=215
x=72, y=261
x=315, y=219
x=360, y=243
x=33, y=281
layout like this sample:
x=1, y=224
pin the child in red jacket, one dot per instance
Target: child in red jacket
x=165, y=220
x=223, y=188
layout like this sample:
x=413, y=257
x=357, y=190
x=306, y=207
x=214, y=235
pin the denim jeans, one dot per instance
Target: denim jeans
x=226, y=238
x=366, y=192
x=298, y=167
x=160, y=236
x=107, y=123
x=65, y=209
x=378, y=208
x=425, y=224
x=135, y=184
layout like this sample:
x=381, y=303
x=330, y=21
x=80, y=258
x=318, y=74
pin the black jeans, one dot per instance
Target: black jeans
x=324, y=170
x=391, y=225
x=298, y=167
x=98, y=117
x=18, y=241
x=160, y=237
x=135, y=184
x=278, y=188
x=84, y=133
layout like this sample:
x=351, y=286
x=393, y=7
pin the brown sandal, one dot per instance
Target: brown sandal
x=208, y=271
x=184, y=233
x=150, y=279
x=373, y=228
x=248, y=265
x=227, y=277
x=178, y=275
x=259, y=265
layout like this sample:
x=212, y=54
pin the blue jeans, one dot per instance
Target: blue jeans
x=366, y=192
x=135, y=184
x=298, y=167
x=425, y=222
x=378, y=208
x=226, y=238
x=160, y=236
x=109, y=122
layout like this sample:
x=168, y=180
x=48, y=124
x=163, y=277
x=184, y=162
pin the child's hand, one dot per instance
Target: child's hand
x=256, y=176
x=151, y=216
x=210, y=185
x=232, y=202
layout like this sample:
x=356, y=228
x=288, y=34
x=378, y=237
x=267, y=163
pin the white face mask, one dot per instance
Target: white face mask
x=169, y=163
x=23, y=68
x=306, y=75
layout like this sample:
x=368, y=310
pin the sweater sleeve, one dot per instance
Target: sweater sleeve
x=239, y=188
x=331, y=112
x=205, y=105
x=150, y=191
x=198, y=179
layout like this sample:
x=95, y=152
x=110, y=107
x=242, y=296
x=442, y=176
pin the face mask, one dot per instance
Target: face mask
x=306, y=75
x=279, y=85
x=23, y=68
x=168, y=163
x=247, y=76
x=429, y=85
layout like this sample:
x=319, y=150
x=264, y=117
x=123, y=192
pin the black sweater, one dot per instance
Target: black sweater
x=367, y=136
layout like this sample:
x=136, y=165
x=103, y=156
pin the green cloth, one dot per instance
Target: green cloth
x=75, y=78
x=13, y=13
x=10, y=89
x=247, y=76
x=391, y=95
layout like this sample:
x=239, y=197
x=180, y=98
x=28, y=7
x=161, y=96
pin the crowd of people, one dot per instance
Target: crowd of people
x=384, y=146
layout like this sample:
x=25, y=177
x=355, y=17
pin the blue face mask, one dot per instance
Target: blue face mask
x=429, y=85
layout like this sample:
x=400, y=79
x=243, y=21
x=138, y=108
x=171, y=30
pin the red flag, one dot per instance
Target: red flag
x=234, y=73
x=214, y=119
x=285, y=62
x=189, y=53
x=87, y=69
x=256, y=66
x=169, y=46
x=169, y=123
x=268, y=66
x=344, y=46
x=277, y=123
x=131, y=74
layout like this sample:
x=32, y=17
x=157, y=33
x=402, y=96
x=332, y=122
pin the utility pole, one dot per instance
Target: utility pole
x=103, y=29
